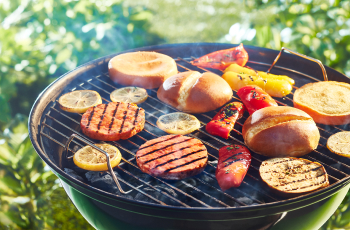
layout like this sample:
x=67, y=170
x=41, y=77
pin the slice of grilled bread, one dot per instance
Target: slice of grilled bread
x=327, y=102
x=291, y=176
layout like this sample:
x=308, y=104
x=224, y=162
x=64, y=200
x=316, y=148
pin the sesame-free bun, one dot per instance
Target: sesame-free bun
x=327, y=102
x=194, y=92
x=280, y=131
x=144, y=69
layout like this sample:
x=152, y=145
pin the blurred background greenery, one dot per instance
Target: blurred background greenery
x=42, y=39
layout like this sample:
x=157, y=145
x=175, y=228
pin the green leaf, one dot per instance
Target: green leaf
x=63, y=55
x=15, y=217
x=35, y=177
x=6, y=155
x=7, y=87
x=5, y=220
x=16, y=131
x=144, y=15
x=12, y=183
x=345, y=217
x=5, y=113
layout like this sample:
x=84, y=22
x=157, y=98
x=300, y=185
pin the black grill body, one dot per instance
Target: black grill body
x=198, y=203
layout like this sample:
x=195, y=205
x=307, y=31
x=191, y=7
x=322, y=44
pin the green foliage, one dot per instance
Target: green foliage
x=39, y=40
x=29, y=192
x=341, y=217
x=319, y=28
x=48, y=38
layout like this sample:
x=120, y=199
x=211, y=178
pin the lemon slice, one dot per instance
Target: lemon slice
x=79, y=101
x=134, y=95
x=339, y=143
x=178, y=123
x=91, y=159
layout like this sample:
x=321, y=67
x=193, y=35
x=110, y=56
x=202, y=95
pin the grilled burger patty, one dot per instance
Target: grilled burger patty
x=291, y=175
x=172, y=157
x=112, y=121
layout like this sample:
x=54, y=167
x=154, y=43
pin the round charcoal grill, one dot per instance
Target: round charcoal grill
x=193, y=203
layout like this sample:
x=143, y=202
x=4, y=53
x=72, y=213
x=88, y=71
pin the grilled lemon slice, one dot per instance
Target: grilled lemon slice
x=91, y=159
x=79, y=101
x=134, y=95
x=339, y=143
x=178, y=123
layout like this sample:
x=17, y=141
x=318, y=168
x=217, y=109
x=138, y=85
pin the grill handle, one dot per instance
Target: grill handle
x=300, y=55
x=98, y=149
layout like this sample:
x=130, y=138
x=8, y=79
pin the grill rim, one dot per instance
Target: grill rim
x=56, y=87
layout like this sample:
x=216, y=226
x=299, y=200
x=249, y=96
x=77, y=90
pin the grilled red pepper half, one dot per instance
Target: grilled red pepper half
x=234, y=161
x=254, y=98
x=223, y=122
x=223, y=58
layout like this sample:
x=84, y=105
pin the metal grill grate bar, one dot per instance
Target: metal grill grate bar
x=335, y=170
x=225, y=143
x=281, y=103
x=115, y=144
x=127, y=161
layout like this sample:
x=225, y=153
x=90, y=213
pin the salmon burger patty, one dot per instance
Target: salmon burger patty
x=172, y=157
x=113, y=121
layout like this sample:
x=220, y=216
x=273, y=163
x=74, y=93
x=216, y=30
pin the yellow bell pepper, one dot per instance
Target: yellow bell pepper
x=244, y=70
x=274, y=87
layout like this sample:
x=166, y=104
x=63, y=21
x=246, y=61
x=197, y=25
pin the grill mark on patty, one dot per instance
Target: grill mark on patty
x=165, y=147
x=146, y=162
x=125, y=114
x=158, y=142
x=101, y=118
x=136, y=114
x=187, y=163
x=113, y=117
x=183, y=156
x=90, y=117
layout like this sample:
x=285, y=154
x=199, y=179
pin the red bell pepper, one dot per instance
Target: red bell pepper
x=223, y=122
x=254, y=98
x=234, y=161
x=223, y=58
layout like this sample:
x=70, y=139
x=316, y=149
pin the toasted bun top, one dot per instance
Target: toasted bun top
x=169, y=91
x=280, y=131
x=194, y=92
x=209, y=92
x=269, y=116
x=142, y=63
x=325, y=97
x=275, y=112
x=144, y=69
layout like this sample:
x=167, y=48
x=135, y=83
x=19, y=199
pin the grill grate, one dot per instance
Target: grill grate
x=199, y=191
